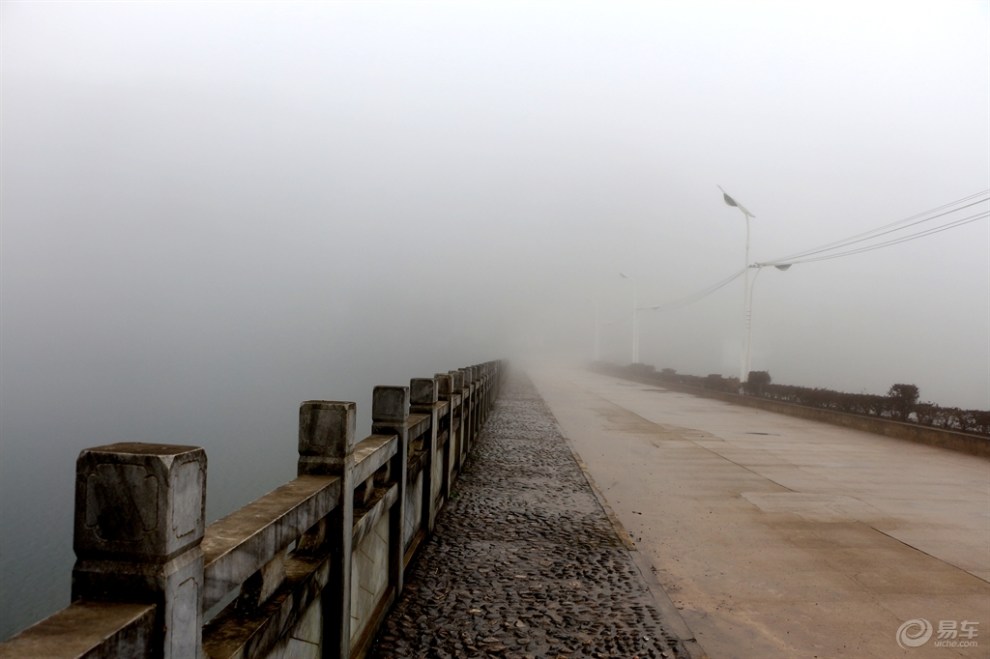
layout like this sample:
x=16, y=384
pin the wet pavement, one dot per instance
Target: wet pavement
x=776, y=536
x=525, y=561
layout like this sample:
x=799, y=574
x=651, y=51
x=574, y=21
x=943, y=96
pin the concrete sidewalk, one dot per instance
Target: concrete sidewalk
x=525, y=562
x=779, y=537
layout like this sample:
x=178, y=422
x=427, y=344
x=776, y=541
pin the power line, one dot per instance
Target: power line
x=913, y=220
x=876, y=233
x=802, y=257
x=697, y=296
x=903, y=239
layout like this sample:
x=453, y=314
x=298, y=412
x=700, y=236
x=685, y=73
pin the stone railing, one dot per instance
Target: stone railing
x=308, y=570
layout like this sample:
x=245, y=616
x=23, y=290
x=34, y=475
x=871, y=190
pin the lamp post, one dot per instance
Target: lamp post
x=598, y=331
x=747, y=354
x=635, y=319
x=744, y=366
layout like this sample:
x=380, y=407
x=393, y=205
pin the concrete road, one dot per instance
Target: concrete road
x=779, y=537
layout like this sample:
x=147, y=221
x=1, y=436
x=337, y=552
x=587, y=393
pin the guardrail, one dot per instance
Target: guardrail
x=309, y=569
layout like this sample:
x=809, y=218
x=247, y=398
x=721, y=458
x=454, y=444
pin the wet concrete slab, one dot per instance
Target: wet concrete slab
x=777, y=536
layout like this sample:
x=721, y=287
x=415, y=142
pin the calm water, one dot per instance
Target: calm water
x=250, y=445
x=37, y=491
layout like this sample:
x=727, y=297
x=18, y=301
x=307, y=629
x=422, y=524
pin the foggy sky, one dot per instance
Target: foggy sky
x=227, y=183
x=213, y=211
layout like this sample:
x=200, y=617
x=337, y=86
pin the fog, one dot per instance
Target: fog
x=213, y=211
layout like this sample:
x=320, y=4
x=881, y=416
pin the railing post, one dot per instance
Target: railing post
x=479, y=378
x=461, y=416
x=389, y=416
x=423, y=400
x=139, y=521
x=476, y=382
x=445, y=383
x=483, y=378
x=471, y=389
x=492, y=385
x=326, y=448
x=487, y=378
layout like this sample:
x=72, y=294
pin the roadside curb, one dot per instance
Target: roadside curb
x=687, y=642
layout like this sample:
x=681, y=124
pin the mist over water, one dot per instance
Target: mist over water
x=210, y=212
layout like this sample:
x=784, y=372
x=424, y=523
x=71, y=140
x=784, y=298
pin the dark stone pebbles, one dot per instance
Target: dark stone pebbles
x=524, y=562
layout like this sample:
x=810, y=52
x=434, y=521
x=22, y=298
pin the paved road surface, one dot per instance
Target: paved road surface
x=779, y=537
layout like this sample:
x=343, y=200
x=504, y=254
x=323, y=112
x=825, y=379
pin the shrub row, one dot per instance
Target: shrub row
x=900, y=403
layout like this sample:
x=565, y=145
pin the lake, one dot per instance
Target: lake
x=250, y=441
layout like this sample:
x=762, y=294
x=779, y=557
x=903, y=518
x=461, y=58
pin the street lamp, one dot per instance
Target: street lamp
x=744, y=366
x=598, y=330
x=749, y=314
x=635, y=319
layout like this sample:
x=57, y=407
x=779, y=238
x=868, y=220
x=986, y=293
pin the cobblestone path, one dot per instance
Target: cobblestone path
x=524, y=562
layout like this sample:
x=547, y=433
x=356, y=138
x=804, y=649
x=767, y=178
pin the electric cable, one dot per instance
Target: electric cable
x=896, y=241
x=697, y=296
x=913, y=220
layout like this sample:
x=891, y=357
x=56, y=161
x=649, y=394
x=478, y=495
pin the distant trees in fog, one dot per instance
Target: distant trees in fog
x=903, y=398
x=900, y=403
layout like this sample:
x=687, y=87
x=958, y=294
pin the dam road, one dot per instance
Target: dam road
x=780, y=537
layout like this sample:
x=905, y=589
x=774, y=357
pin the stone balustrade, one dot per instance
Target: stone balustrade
x=308, y=570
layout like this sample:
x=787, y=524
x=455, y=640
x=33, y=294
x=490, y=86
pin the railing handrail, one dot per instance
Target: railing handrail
x=140, y=533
